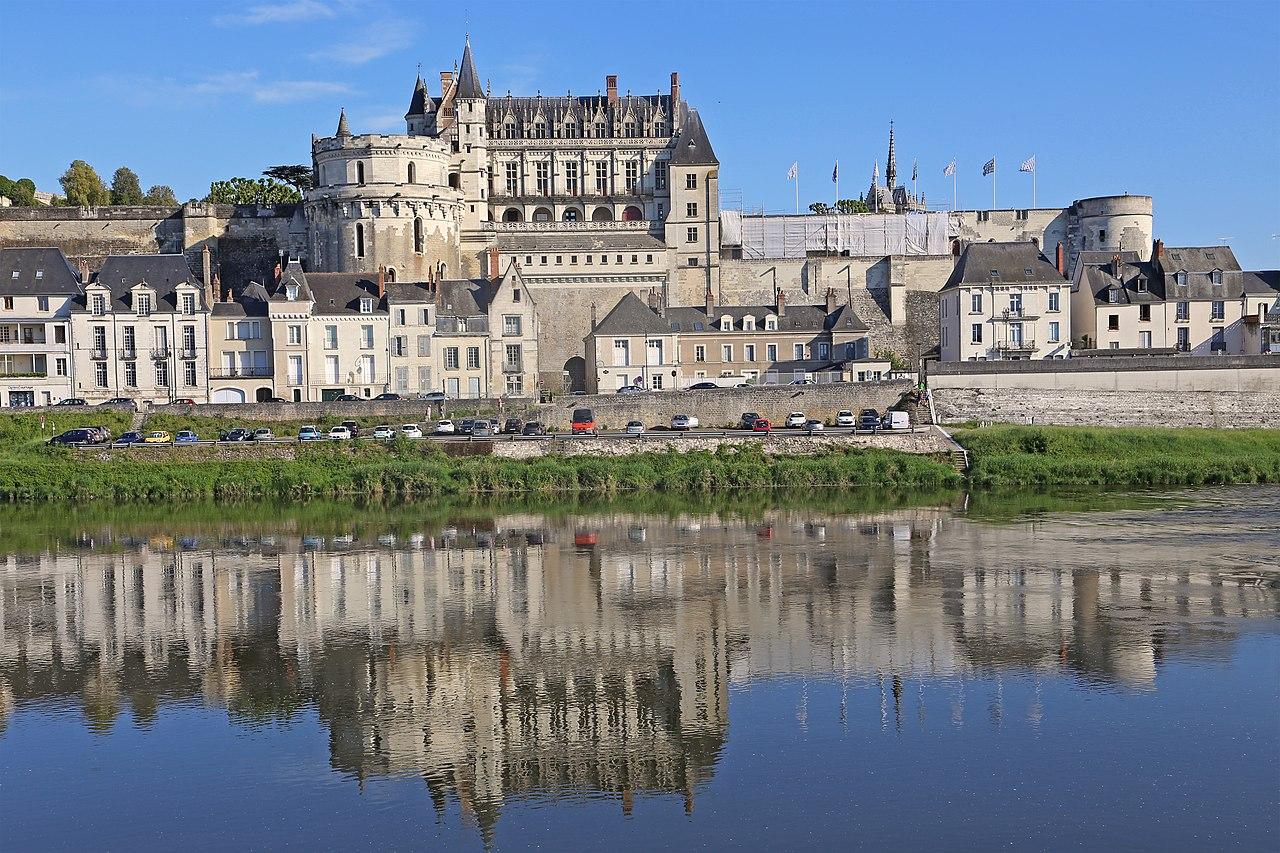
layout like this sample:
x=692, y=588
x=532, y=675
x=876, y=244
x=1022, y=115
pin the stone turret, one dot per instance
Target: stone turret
x=344, y=129
x=421, y=115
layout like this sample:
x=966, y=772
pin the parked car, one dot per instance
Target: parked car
x=346, y=398
x=630, y=389
x=158, y=437
x=352, y=427
x=388, y=396
x=99, y=434
x=308, y=433
x=495, y=426
x=235, y=434
x=407, y=430
x=761, y=425
x=185, y=436
x=434, y=397
x=869, y=419
x=702, y=386
x=795, y=420
x=465, y=425
x=182, y=401
x=73, y=436
x=263, y=434
x=803, y=382
x=749, y=420
x=275, y=400
x=534, y=428
x=482, y=429
x=845, y=418
x=445, y=427
x=635, y=428
x=129, y=438
x=119, y=401
x=72, y=401
x=339, y=433
x=584, y=421
x=513, y=426
x=384, y=432
x=814, y=425
x=683, y=422
x=896, y=420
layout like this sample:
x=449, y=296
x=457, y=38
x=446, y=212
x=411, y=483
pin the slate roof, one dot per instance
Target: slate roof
x=631, y=316
x=162, y=273
x=251, y=302
x=692, y=147
x=582, y=109
x=464, y=297
x=468, y=79
x=419, y=103
x=551, y=241
x=1199, y=262
x=1256, y=281
x=339, y=293
x=1003, y=263
x=402, y=292
x=293, y=274
x=57, y=277
x=1102, y=278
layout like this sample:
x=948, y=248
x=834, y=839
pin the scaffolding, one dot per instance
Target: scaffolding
x=857, y=234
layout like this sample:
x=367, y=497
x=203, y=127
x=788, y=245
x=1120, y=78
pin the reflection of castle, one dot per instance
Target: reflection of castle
x=597, y=659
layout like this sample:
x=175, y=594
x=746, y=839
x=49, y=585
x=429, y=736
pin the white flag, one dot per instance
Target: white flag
x=1028, y=165
x=989, y=167
x=793, y=171
x=950, y=170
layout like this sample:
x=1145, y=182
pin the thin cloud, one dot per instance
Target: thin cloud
x=149, y=91
x=277, y=13
x=373, y=42
x=384, y=119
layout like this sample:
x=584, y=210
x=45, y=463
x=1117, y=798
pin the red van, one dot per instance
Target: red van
x=584, y=420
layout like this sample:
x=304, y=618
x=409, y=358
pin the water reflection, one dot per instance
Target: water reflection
x=516, y=655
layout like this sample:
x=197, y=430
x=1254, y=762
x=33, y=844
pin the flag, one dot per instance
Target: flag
x=989, y=167
x=1028, y=165
x=950, y=170
x=835, y=173
x=915, y=169
x=793, y=171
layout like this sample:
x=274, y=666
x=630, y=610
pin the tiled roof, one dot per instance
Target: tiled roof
x=37, y=272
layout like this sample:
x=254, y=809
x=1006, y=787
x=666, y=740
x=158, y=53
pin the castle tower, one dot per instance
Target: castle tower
x=472, y=152
x=420, y=119
x=693, y=225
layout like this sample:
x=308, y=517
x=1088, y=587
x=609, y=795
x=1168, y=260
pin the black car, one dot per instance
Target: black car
x=275, y=400
x=346, y=398
x=434, y=397
x=702, y=386
x=749, y=420
x=118, y=401
x=353, y=426
x=869, y=419
x=237, y=434
x=72, y=401
x=533, y=428
x=388, y=396
x=75, y=436
x=513, y=426
x=466, y=425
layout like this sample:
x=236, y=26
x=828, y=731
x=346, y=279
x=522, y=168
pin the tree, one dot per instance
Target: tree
x=161, y=196
x=852, y=205
x=896, y=362
x=299, y=177
x=250, y=191
x=125, y=188
x=21, y=192
x=83, y=186
x=820, y=208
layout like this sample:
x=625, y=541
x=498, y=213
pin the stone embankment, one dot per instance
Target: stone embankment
x=925, y=441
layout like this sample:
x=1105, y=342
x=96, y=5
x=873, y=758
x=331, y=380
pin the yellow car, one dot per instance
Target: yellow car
x=158, y=437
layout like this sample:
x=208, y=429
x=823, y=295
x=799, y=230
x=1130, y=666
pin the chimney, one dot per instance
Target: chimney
x=1115, y=265
x=206, y=269
x=446, y=80
x=593, y=315
x=84, y=271
x=675, y=89
x=1157, y=249
x=782, y=302
x=711, y=303
x=1062, y=260
x=831, y=300
x=382, y=282
x=611, y=85
x=494, y=272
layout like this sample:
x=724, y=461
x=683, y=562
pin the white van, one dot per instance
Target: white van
x=895, y=420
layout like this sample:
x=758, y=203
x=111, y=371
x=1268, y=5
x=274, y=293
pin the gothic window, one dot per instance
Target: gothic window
x=391, y=275
x=417, y=234
x=570, y=130
x=660, y=176
x=599, y=129
x=413, y=173
x=359, y=240
x=629, y=129
x=509, y=130
x=659, y=129
x=571, y=215
x=539, y=130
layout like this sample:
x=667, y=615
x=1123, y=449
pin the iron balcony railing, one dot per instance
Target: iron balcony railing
x=1024, y=345
x=240, y=373
x=128, y=353
x=160, y=352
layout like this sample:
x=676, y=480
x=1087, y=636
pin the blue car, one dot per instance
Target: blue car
x=186, y=436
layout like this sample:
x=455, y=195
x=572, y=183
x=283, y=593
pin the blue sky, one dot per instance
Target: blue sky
x=1176, y=100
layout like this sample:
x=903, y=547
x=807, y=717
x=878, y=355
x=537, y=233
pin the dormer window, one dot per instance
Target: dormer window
x=1216, y=277
x=1029, y=272
x=726, y=323
x=995, y=274
x=39, y=273
x=1113, y=295
x=291, y=291
x=188, y=303
x=366, y=306
x=1142, y=285
x=749, y=323
x=771, y=323
x=97, y=305
x=143, y=306
x=1180, y=278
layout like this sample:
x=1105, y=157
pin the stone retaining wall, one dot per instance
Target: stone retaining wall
x=926, y=441
x=1076, y=407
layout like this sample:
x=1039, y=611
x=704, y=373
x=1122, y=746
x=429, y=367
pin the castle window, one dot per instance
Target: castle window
x=602, y=177
x=359, y=240
x=366, y=307
x=599, y=129
x=691, y=182
x=571, y=215
x=571, y=178
x=391, y=276
x=540, y=130
x=413, y=173
x=511, y=214
x=629, y=129
x=509, y=130
x=1216, y=277
x=632, y=175
x=691, y=235
x=659, y=129
x=417, y=234
x=691, y=210
x=543, y=173
x=360, y=172
x=570, y=130
x=660, y=176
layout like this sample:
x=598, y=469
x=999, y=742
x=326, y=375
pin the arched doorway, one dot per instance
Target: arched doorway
x=575, y=374
x=228, y=395
x=542, y=214
x=632, y=214
x=264, y=394
x=511, y=214
x=602, y=214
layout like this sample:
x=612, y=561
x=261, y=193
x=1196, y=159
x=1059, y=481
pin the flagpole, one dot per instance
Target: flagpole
x=993, y=187
x=797, y=183
x=955, y=197
x=1033, y=185
x=836, y=203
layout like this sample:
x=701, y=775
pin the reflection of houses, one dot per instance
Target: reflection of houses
x=498, y=669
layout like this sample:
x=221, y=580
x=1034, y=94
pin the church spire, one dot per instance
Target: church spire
x=891, y=168
x=343, y=128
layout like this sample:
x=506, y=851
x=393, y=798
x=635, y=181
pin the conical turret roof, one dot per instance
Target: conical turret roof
x=468, y=79
x=420, y=104
x=343, y=128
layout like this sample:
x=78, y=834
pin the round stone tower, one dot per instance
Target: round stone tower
x=383, y=200
x=1112, y=223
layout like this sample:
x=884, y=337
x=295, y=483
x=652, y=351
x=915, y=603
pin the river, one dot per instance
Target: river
x=1100, y=672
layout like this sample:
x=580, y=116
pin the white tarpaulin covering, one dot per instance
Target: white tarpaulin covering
x=854, y=234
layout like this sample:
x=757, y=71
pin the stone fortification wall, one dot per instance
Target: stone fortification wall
x=724, y=407
x=926, y=441
x=90, y=234
x=1224, y=391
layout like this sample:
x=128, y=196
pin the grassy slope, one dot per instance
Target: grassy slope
x=1085, y=456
